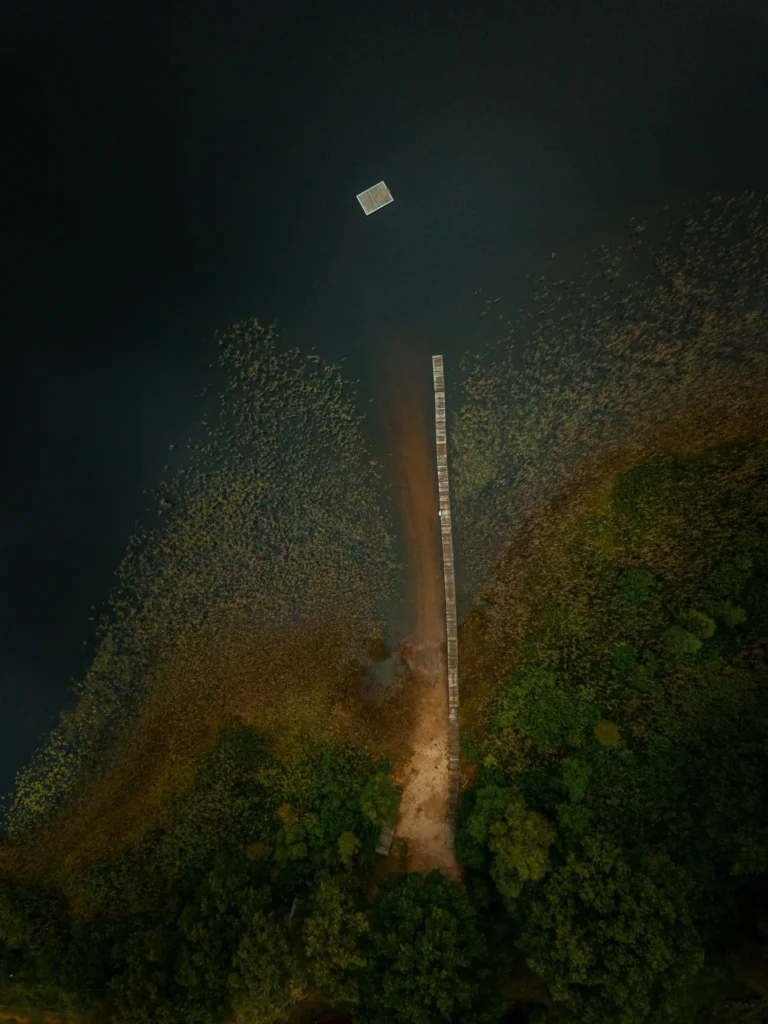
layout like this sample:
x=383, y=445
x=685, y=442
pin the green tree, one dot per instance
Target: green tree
x=291, y=841
x=679, y=641
x=427, y=960
x=612, y=939
x=625, y=658
x=699, y=624
x=732, y=615
x=265, y=980
x=142, y=989
x=211, y=928
x=519, y=843
x=607, y=733
x=637, y=585
x=575, y=775
x=46, y=949
x=573, y=820
x=478, y=810
x=552, y=712
x=379, y=799
x=339, y=779
x=503, y=833
x=331, y=938
x=348, y=845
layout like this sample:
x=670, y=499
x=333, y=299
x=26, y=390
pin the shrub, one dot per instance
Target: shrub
x=699, y=624
x=679, y=641
x=636, y=585
x=379, y=799
x=607, y=733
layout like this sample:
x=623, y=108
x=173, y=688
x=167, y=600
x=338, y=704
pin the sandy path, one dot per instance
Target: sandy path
x=424, y=775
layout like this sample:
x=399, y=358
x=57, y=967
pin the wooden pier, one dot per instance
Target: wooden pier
x=452, y=645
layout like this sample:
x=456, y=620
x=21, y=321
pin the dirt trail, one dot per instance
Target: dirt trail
x=424, y=775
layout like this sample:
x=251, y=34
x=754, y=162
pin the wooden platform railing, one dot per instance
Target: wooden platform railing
x=452, y=644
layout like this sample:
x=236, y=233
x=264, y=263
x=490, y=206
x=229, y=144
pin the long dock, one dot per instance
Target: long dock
x=452, y=645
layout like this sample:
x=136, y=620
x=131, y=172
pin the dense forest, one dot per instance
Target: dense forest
x=618, y=827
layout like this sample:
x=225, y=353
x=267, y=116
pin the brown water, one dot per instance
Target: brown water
x=410, y=428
